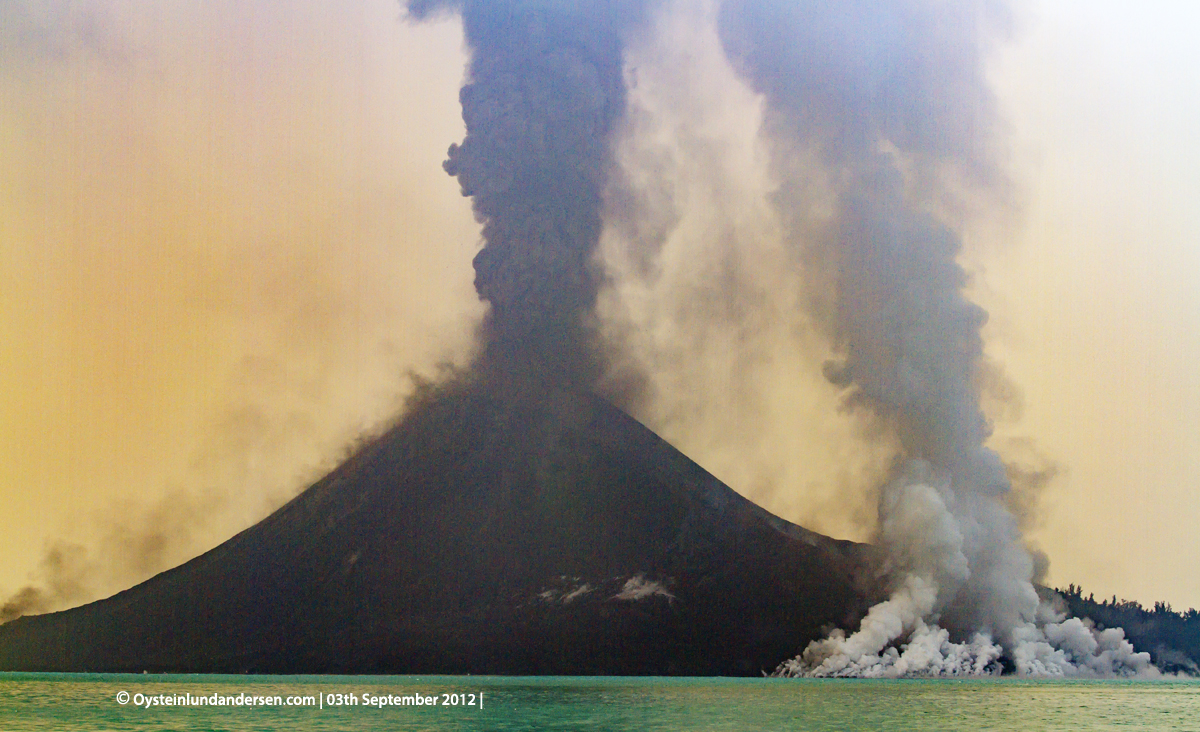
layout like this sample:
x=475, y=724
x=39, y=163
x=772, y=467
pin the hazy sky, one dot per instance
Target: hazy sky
x=1096, y=304
x=225, y=235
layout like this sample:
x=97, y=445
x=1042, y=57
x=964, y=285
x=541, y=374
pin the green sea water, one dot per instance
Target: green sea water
x=93, y=702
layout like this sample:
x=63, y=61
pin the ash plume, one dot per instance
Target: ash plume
x=886, y=107
x=64, y=574
x=881, y=128
x=544, y=88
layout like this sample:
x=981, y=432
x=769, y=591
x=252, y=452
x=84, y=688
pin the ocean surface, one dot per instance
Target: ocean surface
x=302, y=703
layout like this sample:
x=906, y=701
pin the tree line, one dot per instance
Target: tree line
x=1172, y=638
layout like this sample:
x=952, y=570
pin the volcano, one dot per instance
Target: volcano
x=514, y=527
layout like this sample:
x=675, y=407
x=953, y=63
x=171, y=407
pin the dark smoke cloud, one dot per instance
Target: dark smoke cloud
x=248, y=465
x=545, y=87
x=135, y=547
x=64, y=573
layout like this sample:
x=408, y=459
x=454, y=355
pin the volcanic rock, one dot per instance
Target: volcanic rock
x=517, y=527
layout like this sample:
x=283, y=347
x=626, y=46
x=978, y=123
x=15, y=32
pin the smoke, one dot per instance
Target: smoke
x=544, y=89
x=141, y=542
x=713, y=345
x=260, y=451
x=816, y=216
x=64, y=573
x=930, y=563
x=872, y=134
x=887, y=108
x=217, y=267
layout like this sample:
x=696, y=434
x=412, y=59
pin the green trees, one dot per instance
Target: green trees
x=1172, y=638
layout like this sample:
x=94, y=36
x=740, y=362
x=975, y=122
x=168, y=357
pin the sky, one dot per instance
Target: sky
x=226, y=240
x=1096, y=303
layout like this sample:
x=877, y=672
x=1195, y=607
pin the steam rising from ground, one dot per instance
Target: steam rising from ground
x=878, y=134
x=930, y=567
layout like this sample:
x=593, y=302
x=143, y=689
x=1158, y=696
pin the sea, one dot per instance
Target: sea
x=30, y=701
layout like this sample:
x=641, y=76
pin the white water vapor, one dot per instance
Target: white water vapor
x=874, y=137
x=902, y=636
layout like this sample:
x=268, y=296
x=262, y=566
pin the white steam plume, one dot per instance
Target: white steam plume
x=902, y=636
x=878, y=127
x=889, y=102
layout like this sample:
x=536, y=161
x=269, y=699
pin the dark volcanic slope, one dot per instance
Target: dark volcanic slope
x=489, y=532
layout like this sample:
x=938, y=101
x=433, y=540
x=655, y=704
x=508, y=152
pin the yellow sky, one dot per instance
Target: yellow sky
x=225, y=234
x=1096, y=304
x=226, y=237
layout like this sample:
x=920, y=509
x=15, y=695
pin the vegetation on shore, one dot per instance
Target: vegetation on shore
x=1172, y=638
